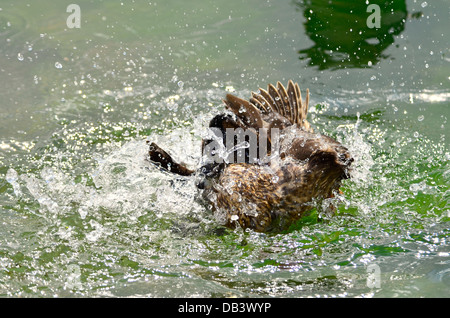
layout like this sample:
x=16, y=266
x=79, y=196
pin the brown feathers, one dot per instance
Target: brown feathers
x=246, y=111
x=265, y=108
x=266, y=195
x=158, y=155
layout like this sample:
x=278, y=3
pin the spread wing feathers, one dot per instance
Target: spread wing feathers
x=245, y=111
x=276, y=107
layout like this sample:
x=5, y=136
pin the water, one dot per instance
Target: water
x=84, y=214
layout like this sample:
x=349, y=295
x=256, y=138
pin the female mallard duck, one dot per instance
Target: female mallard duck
x=273, y=169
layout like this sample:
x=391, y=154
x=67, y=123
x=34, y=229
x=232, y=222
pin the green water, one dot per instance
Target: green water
x=84, y=214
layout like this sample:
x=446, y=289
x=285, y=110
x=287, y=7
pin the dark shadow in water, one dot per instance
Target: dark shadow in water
x=341, y=35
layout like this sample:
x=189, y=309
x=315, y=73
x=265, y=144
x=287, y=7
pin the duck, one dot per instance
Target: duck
x=263, y=167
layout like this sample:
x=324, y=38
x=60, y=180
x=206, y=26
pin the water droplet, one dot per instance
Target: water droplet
x=58, y=65
x=416, y=187
x=20, y=56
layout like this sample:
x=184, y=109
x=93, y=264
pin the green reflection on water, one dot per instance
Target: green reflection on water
x=341, y=35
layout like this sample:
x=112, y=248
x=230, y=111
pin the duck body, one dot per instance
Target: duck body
x=289, y=170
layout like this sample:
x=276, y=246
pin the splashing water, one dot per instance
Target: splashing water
x=116, y=219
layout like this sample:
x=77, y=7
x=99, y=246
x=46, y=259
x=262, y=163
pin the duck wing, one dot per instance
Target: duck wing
x=160, y=157
x=276, y=107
